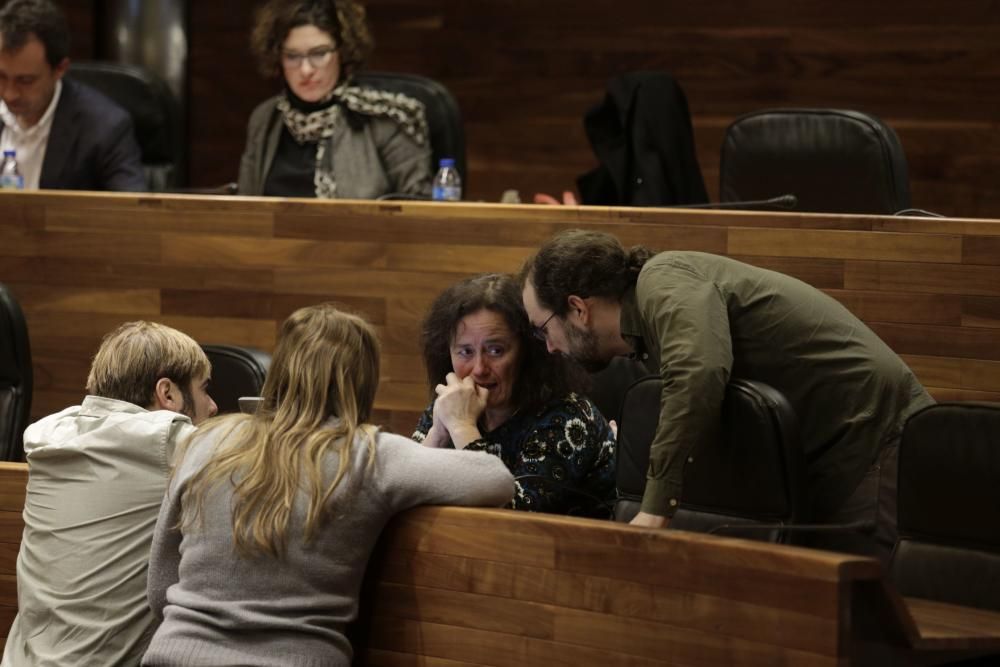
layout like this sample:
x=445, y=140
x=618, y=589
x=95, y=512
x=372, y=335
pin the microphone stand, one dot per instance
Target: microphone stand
x=787, y=202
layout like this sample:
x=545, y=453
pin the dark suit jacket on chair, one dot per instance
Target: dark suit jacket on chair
x=641, y=134
x=92, y=144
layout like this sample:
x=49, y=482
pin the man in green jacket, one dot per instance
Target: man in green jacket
x=700, y=319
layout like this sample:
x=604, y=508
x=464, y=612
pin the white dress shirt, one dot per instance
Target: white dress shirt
x=97, y=474
x=30, y=143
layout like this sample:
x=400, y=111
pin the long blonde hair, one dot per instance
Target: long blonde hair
x=326, y=363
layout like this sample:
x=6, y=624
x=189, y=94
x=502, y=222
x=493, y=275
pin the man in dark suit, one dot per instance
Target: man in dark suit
x=66, y=135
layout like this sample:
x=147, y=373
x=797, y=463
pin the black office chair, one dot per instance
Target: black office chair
x=236, y=371
x=751, y=475
x=608, y=387
x=444, y=119
x=155, y=115
x=833, y=161
x=949, y=506
x=15, y=377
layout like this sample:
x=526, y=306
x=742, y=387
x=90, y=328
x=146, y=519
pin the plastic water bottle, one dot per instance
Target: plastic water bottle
x=447, y=182
x=10, y=175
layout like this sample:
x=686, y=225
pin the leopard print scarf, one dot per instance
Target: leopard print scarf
x=320, y=126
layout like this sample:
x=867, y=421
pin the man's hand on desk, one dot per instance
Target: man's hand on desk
x=568, y=199
x=645, y=520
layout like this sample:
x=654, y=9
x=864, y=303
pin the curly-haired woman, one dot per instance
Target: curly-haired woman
x=497, y=390
x=323, y=136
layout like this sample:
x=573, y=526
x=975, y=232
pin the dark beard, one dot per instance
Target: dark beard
x=584, y=351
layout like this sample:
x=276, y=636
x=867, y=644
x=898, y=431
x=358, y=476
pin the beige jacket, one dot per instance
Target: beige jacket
x=97, y=474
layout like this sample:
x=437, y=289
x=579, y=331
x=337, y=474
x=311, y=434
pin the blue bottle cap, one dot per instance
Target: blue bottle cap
x=9, y=153
x=447, y=162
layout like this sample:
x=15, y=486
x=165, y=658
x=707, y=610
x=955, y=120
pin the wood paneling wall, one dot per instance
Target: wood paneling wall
x=83, y=25
x=228, y=270
x=525, y=71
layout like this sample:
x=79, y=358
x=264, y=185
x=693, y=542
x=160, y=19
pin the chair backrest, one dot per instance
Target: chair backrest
x=155, y=116
x=236, y=371
x=751, y=474
x=607, y=387
x=15, y=377
x=832, y=160
x=949, y=506
x=444, y=119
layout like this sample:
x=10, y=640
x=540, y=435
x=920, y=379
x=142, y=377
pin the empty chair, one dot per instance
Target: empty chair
x=832, y=160
x=15, y=377
x=236, y=371
x=155, y=116
x=444, y=120
x=751, y=474
x=949, y=506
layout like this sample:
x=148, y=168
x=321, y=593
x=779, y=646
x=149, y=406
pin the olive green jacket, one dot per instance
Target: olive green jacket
x=702, y=319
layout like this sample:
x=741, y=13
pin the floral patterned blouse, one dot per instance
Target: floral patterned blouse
x=562, y=457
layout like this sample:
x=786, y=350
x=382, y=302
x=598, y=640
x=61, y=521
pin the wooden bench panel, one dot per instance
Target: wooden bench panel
x=230, y=269
x=471, y=586
x=13, y=482
x=500, y=587
x=452, y=587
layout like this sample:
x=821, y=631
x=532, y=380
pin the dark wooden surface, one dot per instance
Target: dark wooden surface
x=455, y=586
x=13, y=481
x=229, y=270
x=82, y=19
x=525, y=71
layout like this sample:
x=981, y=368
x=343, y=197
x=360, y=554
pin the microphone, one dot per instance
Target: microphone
x=918, y=212
x=230, y=188
x=783, y=201
x=401, y=196
x=867, y=527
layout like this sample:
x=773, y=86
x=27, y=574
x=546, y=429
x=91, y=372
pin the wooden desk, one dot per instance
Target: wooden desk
x=506, y=588
x=455, y=586
x=230, y=269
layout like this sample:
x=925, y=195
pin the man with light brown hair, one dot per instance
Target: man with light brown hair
x=97, y=476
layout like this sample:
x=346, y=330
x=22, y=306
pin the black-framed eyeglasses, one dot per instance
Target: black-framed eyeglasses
x=540, y=332
x=318, y=57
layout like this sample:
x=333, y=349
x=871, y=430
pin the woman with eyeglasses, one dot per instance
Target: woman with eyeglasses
x=497, y=390
x=323, y=136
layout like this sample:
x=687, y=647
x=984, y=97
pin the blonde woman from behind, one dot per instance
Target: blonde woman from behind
x=270, y=518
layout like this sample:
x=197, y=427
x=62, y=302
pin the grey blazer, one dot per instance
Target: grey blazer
x=371, y=160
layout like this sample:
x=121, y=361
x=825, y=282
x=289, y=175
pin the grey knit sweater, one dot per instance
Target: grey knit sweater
x=219, y=608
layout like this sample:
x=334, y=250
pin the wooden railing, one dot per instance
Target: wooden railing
x=458, y=586
x=229, y=269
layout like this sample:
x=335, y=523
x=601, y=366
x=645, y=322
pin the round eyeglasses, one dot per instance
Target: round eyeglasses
x=318, y=57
